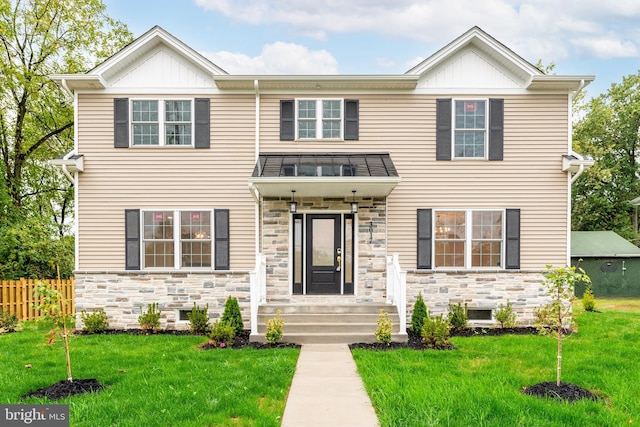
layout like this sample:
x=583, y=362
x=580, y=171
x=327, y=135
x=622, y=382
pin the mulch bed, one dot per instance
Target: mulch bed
x=566, y=391
x=242, y=341
x=65, y=388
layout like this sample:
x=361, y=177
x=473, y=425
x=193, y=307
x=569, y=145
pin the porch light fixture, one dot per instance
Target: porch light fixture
x=293, y=205
x=354, y=204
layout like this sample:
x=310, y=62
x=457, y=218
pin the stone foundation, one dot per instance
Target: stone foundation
x=480, y=290
x=123, y=296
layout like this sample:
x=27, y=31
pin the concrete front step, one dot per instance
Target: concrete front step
x=328, y=323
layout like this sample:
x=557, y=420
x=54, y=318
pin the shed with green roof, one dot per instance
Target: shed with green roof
x=612, y=263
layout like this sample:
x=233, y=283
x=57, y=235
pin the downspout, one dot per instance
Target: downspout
x=572, y=96
x=255, y=191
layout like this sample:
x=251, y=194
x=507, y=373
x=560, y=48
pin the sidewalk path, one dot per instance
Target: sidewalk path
x=327, y=390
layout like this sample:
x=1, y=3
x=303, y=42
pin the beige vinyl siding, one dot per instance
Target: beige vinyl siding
x=529, y=178
x=163, y=178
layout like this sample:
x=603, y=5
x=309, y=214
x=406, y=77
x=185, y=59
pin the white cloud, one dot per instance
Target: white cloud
x=277, y=58
x=551, y=30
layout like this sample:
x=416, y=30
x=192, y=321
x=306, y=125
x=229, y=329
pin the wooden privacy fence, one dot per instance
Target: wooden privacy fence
x=16, y=296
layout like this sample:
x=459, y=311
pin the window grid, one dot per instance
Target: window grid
x=187, y=234
x=319, y=118
x=470, y=238
x=162, y=123
x=470, y=128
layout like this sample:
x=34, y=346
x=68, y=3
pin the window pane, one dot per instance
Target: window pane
x=330, y=109
x=486, y=254
x=195, y=236
x=177, y=134
x=177, y=111
x=470, y=114
x=487, y=225
x=158, y=254
x=306, y=129
x=486, y=248
x=450, y=225
x=331, y=128
x=469, y=144
x=144, y=111
x=145, y=134
x=449, y=254
x=307, y=109
x=297, y=250
x=158, y=225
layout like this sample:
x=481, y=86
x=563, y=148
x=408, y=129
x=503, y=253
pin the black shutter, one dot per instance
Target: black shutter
x=202, y=117
x=132, y=239
x=512, y=250
x=351, y=119
x=287, y=120
x=221, y=250
x=424, y=238
x=496, y=129
x=443, y=129
x=121, y=123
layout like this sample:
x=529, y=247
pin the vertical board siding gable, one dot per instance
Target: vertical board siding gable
x=132, y=239
x=202, y=118
x=121, y=123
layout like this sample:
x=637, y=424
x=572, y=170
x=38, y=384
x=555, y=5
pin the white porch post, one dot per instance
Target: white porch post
x=258, y=290
x=397, y=289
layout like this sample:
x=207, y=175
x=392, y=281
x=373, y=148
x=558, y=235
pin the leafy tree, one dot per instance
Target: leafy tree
x=609, y=131
x=557, y=317
x=39, y=38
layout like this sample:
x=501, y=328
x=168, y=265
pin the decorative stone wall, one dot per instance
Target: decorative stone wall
x=371, y=248
x=124, y=295
x=480, y=290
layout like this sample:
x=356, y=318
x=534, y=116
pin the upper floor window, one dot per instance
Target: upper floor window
x=162, y=122
x=319, y=118
x=470, y=129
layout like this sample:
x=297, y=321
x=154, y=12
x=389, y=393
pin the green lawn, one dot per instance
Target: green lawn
x=479, y=384
x=156, y=380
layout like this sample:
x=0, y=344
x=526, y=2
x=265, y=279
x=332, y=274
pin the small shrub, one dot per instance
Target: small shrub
x=95, y=322
x=222, y=334
x=436, y=332
x=8, y=322
x=150, y=320
x=385, y=328
x=589, y=300
x=505, y=315
x=458, y=317
x=199, y=320
x=418, y=315
x=232, y=316
x=275, y=326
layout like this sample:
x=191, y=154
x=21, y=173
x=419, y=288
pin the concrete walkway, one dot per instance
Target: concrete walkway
x=327, y=390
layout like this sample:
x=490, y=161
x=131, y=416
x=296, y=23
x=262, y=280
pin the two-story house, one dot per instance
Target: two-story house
x=451, y=180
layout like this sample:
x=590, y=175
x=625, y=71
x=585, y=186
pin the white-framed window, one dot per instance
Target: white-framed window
x=470, y=128
x=162, y=122
x=180, y=239
x=469, y=238
x=319, y=118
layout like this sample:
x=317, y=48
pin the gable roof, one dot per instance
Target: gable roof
x=597, y=244
x=513, y=65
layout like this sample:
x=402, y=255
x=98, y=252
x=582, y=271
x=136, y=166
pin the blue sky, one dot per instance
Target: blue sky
x=590, y=37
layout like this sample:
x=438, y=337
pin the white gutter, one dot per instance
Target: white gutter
x=254, y=190
x=581, y=168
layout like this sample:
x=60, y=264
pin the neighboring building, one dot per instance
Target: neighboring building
x=451, y=180
x=611, y=262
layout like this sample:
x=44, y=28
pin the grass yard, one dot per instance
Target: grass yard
x=152, y=380
x=479, y=384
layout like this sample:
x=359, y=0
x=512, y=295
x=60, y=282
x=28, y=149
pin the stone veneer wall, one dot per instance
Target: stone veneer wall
x=124, y=295
x=371, y=262
x=480, y=290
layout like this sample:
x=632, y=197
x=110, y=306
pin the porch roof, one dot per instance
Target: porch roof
x=324, y=174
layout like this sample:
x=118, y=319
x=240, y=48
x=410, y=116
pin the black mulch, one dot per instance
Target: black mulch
x=566, y=391
x=65, y=388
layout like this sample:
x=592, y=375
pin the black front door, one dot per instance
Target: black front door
x=324, y=254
